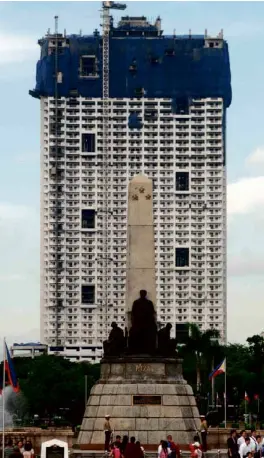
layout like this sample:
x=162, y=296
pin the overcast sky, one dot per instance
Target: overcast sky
x=21, y=24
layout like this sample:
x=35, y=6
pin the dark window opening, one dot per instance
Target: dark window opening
x=59, y=227
x=88, y=66
x=88, y=219
x=134, y=121
x=88, y=143
x=88, y=294
x=180, y=105
x=182, y=257
x=59, y=302
x=182, y=181
x=57, y=349
x=151, y=115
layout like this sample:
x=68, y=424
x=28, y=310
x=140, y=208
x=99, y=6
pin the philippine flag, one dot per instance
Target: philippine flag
x=246, y=397
x=220, y=369
x=10, y=370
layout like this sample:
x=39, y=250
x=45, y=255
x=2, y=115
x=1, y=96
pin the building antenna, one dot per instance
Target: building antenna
x=56, y=23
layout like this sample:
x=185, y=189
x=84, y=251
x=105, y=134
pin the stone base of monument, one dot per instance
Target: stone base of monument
x=145, y=397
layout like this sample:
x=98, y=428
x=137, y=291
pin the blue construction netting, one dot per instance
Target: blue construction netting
x=159, y=67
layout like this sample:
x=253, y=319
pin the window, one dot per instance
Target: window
x=88, y=219
x=182, y=181
x=180, y=106
x=88, y=294
x=182, y=257
x=88, y=143
x=88, y=66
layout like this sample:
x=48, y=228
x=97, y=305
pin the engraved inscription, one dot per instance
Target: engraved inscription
x=147, y=400
x=143, y=368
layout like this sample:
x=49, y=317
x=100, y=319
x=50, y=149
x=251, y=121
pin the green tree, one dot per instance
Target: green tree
x=200, y=351
x=53, y=386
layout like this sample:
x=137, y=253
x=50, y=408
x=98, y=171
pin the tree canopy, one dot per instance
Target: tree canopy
x=52, y=386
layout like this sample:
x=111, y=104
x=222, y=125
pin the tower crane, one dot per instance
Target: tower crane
x=106, y=7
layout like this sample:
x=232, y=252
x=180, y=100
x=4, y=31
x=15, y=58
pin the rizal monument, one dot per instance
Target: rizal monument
x=141, y=385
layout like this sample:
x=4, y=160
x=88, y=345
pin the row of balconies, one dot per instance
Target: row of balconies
x=51, y=322
x=148, y=102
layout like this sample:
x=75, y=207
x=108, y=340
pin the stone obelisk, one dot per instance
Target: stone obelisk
x=146, y=396
x=140, y=242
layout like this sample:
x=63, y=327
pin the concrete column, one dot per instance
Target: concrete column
x=140, y=242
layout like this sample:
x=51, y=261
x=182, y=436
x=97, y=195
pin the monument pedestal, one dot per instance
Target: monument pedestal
x=145, y=397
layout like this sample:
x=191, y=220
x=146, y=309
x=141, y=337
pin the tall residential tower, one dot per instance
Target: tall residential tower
x=165, y=117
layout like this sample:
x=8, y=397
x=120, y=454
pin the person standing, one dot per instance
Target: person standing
x=253, y=441
x=174, y=448
x=241, y=438
x=245, y=448
x=258, y=452
x=9, y=448
x=118, y=442
x=108, y=432
x=163, y=450
x=203, y=430
x=124, y=444
x=16, y=453
x=232, y=446
x=28, y=450
x=115, y=451
x=193, y=447
x=132, y=450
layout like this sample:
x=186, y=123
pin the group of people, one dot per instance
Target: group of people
x=126, y=448
x=20, y=449
x=245, y=445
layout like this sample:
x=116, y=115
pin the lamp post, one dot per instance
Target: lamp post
x=198, y=355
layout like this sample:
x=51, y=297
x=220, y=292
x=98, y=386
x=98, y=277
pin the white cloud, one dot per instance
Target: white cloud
x=11, y=277
x=13, y=212
x=17, y=48
x=256, y=157
x=245, y=264
x=245, y=195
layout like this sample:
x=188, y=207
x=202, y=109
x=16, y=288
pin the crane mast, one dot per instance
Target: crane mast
x=107, y=5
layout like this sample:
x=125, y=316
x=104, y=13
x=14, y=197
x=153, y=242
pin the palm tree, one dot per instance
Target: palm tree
x=203, y=345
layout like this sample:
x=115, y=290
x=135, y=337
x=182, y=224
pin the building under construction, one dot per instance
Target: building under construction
x=125, y=101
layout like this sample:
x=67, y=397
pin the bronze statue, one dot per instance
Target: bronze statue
x=115, y=344
x=143, y=332
x=166, y=345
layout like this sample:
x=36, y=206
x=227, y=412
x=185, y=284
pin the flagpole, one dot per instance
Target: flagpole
x=225, y=393
x=3, y=402
x=213, y=386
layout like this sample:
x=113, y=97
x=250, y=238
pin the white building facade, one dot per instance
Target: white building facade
x=177, y=140
x=184, y=155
